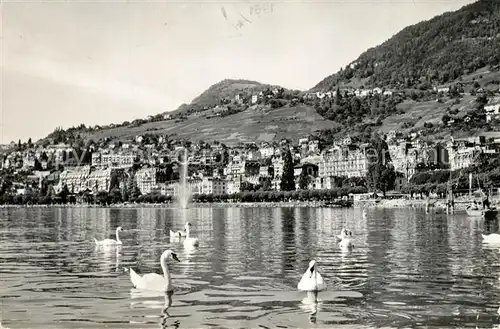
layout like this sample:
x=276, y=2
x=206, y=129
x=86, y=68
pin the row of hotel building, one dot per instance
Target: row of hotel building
x=343, y=159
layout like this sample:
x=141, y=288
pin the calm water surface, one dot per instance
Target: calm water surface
x=407, y=270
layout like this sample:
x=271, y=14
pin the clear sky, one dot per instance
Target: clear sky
x=99, y=62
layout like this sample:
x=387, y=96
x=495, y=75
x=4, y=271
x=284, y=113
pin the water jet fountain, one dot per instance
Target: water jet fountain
x=184, y=194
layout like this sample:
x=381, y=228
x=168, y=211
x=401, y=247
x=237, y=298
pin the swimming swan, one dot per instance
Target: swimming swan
x=177, y=234
x=312, y=279
x=153, y=281
x=108, y=242
x=189, y=241
x=344, y=234
x=491, y=238
x=346, y=244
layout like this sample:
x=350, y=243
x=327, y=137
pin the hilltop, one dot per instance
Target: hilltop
x=220, y=92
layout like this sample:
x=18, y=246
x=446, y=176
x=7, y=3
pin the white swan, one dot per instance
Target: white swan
x=108, y=242
x=153, y=281
x=177, y=234
x=311, y=279
x=491, y=238
x=189, y=241
x=346, y=244
x=343, y=233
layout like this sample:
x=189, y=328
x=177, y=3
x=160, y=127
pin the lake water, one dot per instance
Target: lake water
x=407, y=269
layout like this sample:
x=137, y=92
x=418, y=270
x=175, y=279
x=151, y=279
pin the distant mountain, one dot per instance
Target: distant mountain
x=436, y=51
x=225, y=89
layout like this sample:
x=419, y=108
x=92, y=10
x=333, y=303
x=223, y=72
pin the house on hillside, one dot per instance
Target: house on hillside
x=304, y=140
x=238, y=98
x=266, y=150
x=492, y=109
x=320, y=95
x=441, y=89
x=314, y=146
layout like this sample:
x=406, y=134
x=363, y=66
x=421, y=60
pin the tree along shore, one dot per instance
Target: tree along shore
x=104, y=198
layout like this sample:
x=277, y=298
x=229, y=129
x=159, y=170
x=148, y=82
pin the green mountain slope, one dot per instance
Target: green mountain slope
x=437, y=51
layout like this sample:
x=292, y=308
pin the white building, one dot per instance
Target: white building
x=213, y=185
x=278, y=164
x=99, y=180
x=343, y=162
x=325, y=183
x=146, y=180
x=113, y=159
x=266, y=150
x=233, y=186
x=74, y=178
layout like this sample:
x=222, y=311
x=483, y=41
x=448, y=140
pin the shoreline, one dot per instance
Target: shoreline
x=293, y=204
x=460, y=204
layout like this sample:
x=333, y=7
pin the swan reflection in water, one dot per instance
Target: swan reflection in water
x=310, y=304
x=165, y=314
x=143, y=298
x=108, y=253
x=189, y=250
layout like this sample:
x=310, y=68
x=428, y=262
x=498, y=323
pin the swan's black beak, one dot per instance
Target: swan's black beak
x=174, y=256
x=312, y=271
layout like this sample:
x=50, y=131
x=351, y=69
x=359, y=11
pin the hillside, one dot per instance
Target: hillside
x=432, y=52
x=434, y=71
x=257, y=123
x=425, y=112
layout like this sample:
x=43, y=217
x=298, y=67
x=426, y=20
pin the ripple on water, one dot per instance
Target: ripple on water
x=406, y=270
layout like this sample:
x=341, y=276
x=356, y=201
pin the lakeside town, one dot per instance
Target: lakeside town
x=66, y=167
x=147, y=169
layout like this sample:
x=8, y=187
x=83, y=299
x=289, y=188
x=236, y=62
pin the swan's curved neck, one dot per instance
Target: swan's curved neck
x=164, y=267
x=187, y=231
x=117, y=236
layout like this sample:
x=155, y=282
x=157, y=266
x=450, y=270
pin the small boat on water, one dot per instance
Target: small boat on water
x=483, y=213
x=481, y=206
x=338, y=204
